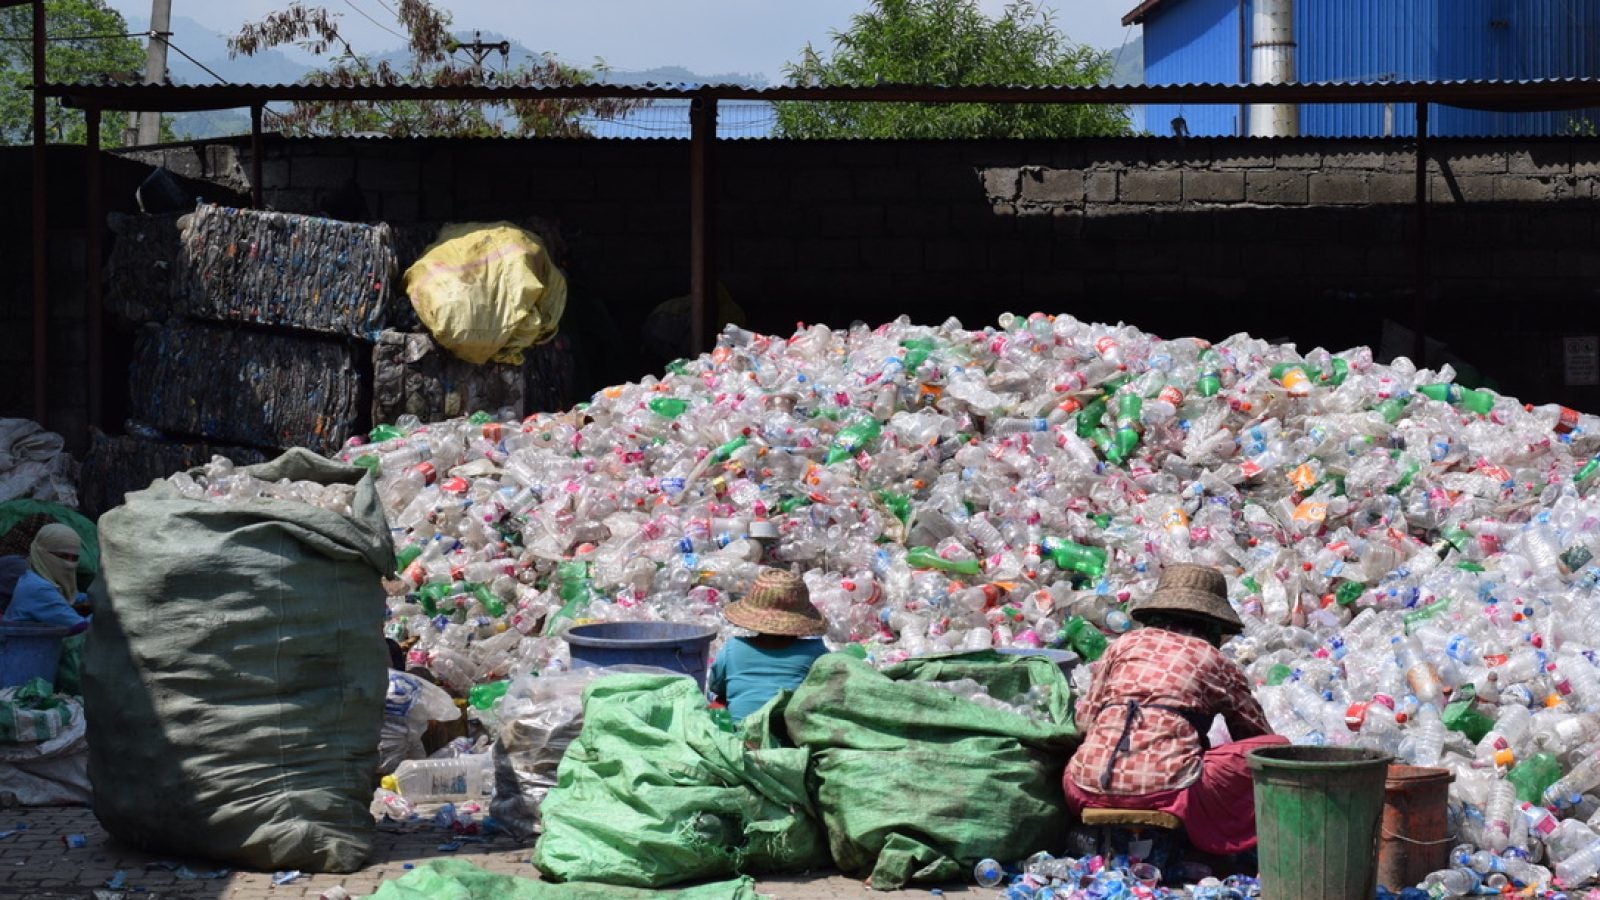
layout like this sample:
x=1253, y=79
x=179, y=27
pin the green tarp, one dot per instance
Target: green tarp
x=915, y=783
x=652, y=793
x=235, y=673
x=457, y=879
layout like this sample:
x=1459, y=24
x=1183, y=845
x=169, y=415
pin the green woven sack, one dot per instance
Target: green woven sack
x=916, y=783
x=235, y=672
x=457, y=879
x=652, y=793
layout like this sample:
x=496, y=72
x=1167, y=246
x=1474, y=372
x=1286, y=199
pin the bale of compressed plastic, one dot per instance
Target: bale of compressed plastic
x=117, y=464
x=881, y=739
x=413, y=375
x=234, y=675
x=141, y=268
x=274, y=268
x=243, y=386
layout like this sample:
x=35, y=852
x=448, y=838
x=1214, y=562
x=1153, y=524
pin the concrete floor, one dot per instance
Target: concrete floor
x=36, y=863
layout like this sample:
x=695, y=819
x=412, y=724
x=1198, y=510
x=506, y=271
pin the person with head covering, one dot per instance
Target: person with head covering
x=752, y=670
x=1149, y=710
x=47, y=592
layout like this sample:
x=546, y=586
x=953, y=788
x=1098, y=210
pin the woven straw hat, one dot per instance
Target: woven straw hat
x=1198, y=592
x=778, y=603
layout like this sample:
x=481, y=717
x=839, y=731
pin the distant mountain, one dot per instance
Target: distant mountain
x=1128, y=62
x=210, y=49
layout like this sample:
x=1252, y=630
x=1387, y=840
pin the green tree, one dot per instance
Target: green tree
x=87, y=43
x=949, y=43
x=433, y=59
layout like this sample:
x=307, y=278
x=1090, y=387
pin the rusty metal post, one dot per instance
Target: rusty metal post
x=255, y=157
x=702, y=223
x=1419, y=309
x=94, y=222
x=41, y=223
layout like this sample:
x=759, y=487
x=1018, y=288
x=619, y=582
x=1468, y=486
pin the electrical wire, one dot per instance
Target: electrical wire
x=363, y=14
x=78, y=37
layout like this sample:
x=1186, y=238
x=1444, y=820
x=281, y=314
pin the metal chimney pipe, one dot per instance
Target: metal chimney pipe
x=1272, y=50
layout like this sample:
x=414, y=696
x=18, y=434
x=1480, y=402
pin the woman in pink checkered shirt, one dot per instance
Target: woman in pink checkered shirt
x=1147, y=714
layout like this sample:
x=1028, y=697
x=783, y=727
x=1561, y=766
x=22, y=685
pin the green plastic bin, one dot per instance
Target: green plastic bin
x=1317, y=814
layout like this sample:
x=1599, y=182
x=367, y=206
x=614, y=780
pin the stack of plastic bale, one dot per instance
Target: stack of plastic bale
x=117, y=464
x=254, y=341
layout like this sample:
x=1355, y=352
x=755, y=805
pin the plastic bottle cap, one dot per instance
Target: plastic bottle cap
x=389, y=784
x=1504, y=759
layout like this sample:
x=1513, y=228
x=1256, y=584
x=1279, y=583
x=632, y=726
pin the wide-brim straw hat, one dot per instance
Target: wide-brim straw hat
x=778, y=603
x=1196, y=592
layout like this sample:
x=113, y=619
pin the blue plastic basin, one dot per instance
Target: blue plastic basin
x=665, y=645
x=29, y=651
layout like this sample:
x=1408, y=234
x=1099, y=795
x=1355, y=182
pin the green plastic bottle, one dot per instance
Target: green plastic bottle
x=407, y=556
x=853, y=439
x=1349, y=592
x=483, y=696
x=668, y=407
x=492, y=604
x=1425, y=613
x=1392, y=408
x=1085, y=640
x=1480, y=402
x=1074, y=557
x=925, y=558
x=898, y=504
x=723, y=719
x=1209, y=382
x=917, y=352
x=1278, y=674
x=1533, y=775
x=1089, y=417
x=1462, y=714
x=724, y=451
x=381, y=433
x=1588, y=469
x=431, y=593
x=572, y=586
x=1126, y=440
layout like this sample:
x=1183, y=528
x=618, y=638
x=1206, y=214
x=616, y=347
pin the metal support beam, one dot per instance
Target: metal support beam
x=702, y=224
x=1419, y=309
x=41, y=223
x=92, y=226
x=255, y=157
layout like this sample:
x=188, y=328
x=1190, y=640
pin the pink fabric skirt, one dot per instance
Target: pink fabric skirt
x=1218, y=811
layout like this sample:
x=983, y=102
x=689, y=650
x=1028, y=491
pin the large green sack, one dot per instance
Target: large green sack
x=457, y=879
x=916, y=783
x=235, y=673
x=652, y=793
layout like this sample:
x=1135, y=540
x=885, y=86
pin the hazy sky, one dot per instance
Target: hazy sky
x=707, y=36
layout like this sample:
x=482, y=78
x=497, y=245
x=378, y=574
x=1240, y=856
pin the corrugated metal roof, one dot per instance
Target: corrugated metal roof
x=1560, y=93
x=1137, y=14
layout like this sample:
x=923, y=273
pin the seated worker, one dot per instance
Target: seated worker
x=1149, y=708
x=47, y=592
x=750, y=671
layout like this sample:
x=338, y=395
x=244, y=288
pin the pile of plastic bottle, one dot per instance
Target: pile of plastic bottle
x=1412, y=558
x=1046, y=877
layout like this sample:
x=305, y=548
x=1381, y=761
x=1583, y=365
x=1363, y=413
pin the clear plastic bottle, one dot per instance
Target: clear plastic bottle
x=453, y=780
x=988, y=873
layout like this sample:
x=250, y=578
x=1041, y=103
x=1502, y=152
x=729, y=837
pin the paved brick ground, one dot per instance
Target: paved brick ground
x=36, y=864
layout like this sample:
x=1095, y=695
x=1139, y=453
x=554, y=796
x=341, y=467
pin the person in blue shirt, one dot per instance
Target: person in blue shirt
x=752, y=670
x=47, y=592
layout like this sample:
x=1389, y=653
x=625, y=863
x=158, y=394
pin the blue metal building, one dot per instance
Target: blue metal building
x=1208, y=41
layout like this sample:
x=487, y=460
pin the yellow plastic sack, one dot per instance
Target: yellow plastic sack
x=487, y=291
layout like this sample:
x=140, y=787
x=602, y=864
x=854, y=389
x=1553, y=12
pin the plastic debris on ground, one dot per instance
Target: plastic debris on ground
x=1046, y=877
x=1413, y=558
